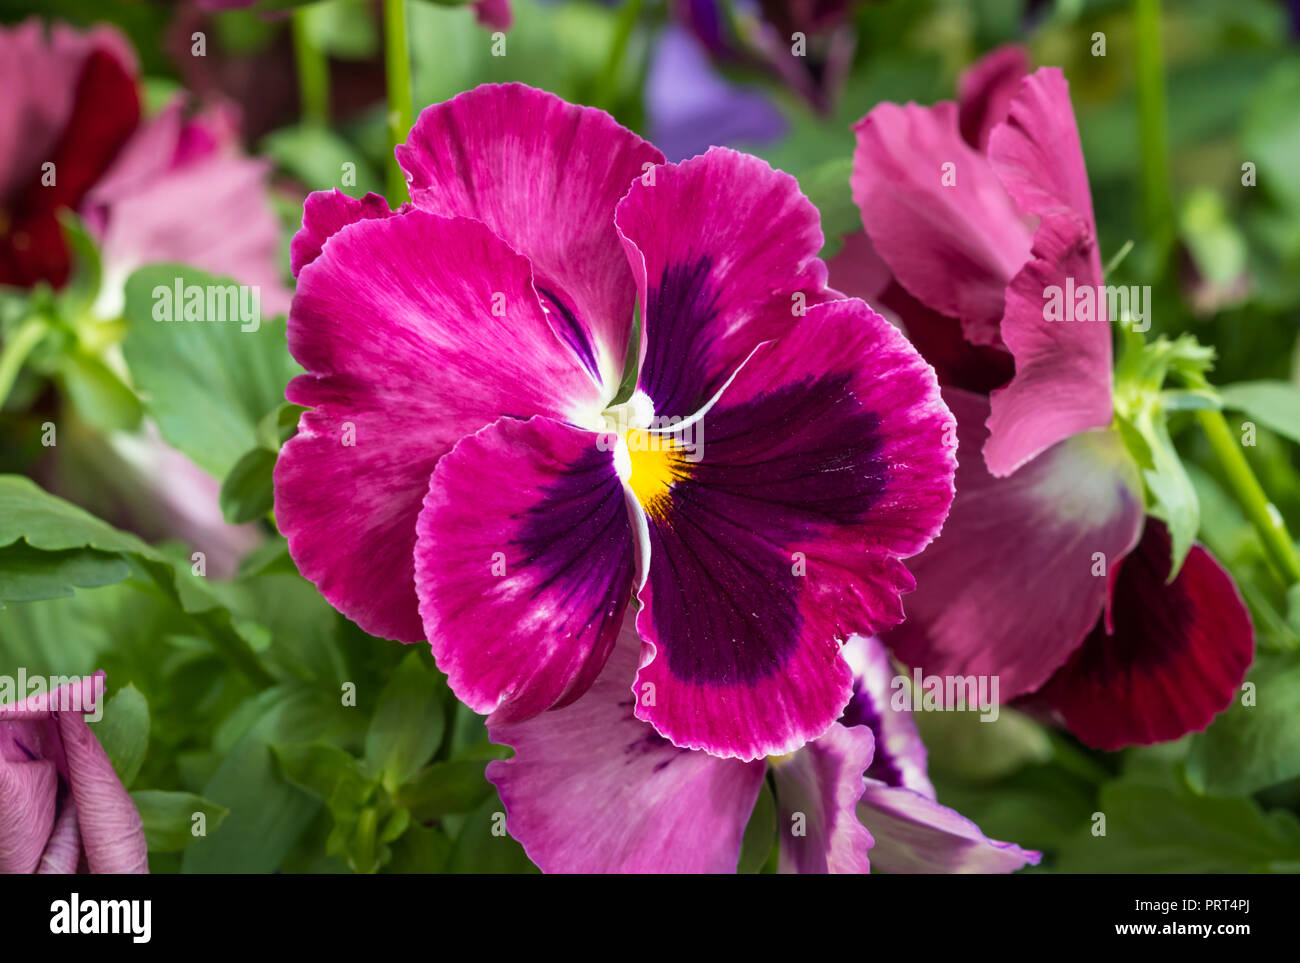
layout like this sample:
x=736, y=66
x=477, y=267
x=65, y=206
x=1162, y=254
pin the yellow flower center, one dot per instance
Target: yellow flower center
x=656, y=464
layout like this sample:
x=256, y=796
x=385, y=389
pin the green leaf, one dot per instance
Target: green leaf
x=760, y=833
x=1274, y=404
x=99, y=395
x=446, y=787
x=1154, y=829
x=268, y=813
x=408, y=724
x=208, y=383
x=247, y=493
x=421, y=849
x=322, y=160
x=124, y=732
x=827, y=186
x=484, y=846
x=318, y=767
x=169, y=818
x=964, y=746
x=28, y=574
x=1252, y=747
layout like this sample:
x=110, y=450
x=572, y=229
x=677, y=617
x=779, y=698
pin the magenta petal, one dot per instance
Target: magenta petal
x=825, y=461
x=915, y=834
x=1175, y=659
x=112, y=832
x=1037, y=155
x=415, y=331
x=28, y=790
x=524, y=565
x=1008, y=588
x=62, y=854
x=955, y=245
x=545, y=176
x=493, y=14
x=900, y=756
x=593, y=790
x=182, y=191
x=985, y=90
x=817, y=790
x=724, y=249
x=324, y=214
x=1062, y=384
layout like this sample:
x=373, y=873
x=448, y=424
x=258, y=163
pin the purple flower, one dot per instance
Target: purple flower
x=467, y=473
x=62, y=807
x=973, y=213
x=592, y=789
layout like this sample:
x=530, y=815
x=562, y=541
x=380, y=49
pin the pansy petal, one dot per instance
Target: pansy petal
x=827, y=459
x=937, y=214
x=1062, y=384
x=324, y=214
x=1036, y=151
x=1174, y=659
x=112, y=831
x=209, y=207
x=724, y=249
x=28, y=791
x=62, y=854
x=415, y=331
x=523, y=565
x=1013, y=584
x=545, y=175
x=900, y=756
x=591, y=789
x=915, y=834
x=985, y=90
x=817, y=790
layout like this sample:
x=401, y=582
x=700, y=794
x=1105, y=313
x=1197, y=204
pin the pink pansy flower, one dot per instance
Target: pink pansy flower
x=62, y=807
x=165, y=189
x=593, y=789
x=468, y=474
x=972, y=213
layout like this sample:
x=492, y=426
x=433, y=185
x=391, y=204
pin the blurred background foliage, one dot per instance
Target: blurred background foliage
x=233, y=696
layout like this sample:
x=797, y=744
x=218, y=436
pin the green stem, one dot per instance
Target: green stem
x=1261, y=513
x=607, y=83
x=27, y=337
x=313, y=71
x=1153, y=138
x=397, y=69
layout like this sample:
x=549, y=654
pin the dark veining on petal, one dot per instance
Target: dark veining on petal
x=566, y=324
x=578, y=535
x=777, y=473
x=680, y=317
x=863, y=711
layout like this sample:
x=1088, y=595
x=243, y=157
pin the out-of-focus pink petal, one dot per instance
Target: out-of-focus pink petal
x=915, y=834
x=1174, y=658
x=817, y=790
x=1016, y=580
x=493, y=14
x=900, y=756
x=591, y=789
x=984, y=92
x=112, y=832
x=1062, y=385
x=937, y=214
